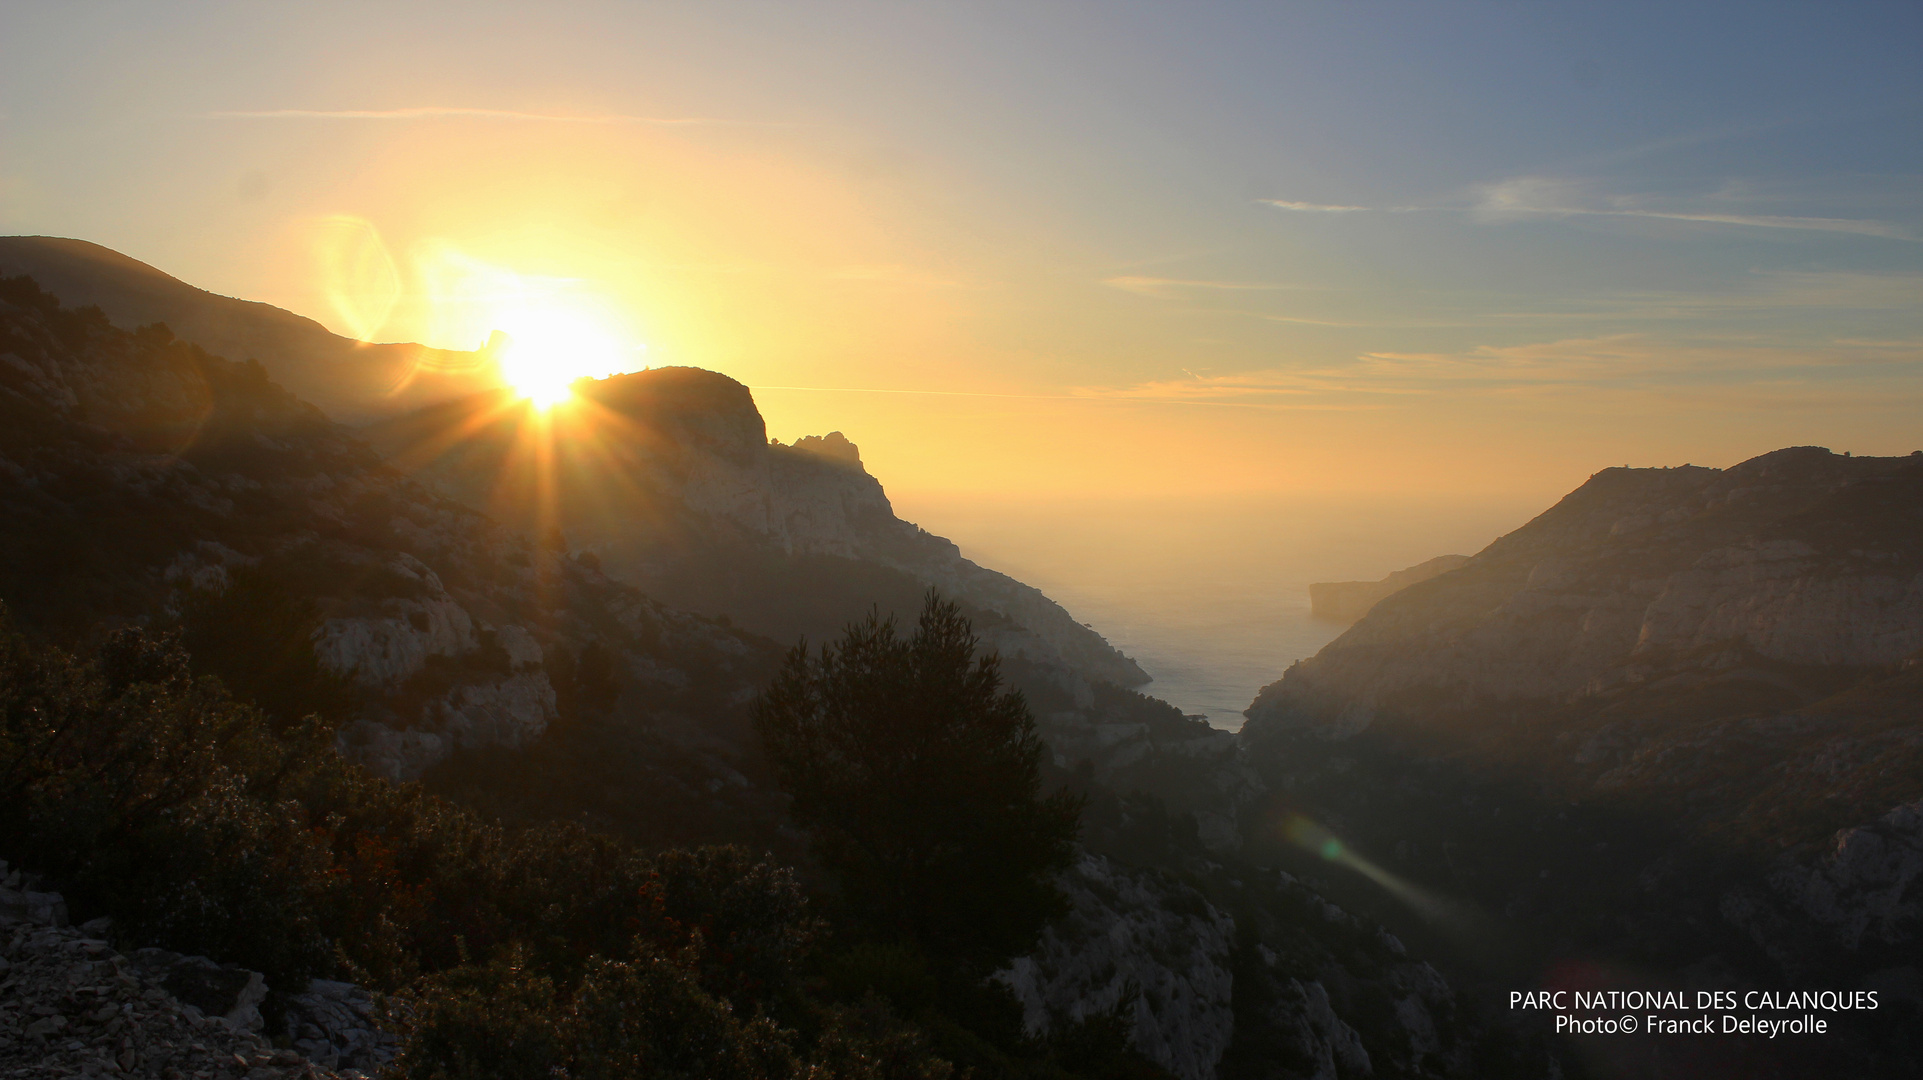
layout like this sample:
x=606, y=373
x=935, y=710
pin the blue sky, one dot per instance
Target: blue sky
x=1152, y=247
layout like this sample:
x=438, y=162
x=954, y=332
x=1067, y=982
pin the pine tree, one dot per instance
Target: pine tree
x=921, y=781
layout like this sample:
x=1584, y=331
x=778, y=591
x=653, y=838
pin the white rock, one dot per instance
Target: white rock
x=1321, y=1035
x=522, y=649
x=510, y=712
x=385, y=652
x=1142, y=930
x=1864, y=889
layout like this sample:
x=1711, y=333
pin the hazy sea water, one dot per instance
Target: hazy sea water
x=1209, y=647
x=1209, y=595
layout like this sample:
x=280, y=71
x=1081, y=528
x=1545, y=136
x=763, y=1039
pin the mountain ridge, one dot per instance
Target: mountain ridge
x=350, y=380
x=1637, y=569
x=1667, y=727
x=417, y=403
x=146, y=482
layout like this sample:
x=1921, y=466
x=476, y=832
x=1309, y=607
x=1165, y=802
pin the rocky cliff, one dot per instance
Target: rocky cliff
x=1798, y=557
x=1669, y=725
x=669, y=478
x=1289, y=985
x=72, y=1005
x=692, y=441
x=1347, y=601
x=143, y=480
x=1142, y=935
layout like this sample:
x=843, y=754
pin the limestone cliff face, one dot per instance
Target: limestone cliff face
x=668, y=475
x=385, y=650
x=1864, y=886
x=815, y=498
x=1675, y=716
x=1282, y=994
x=140, y=475
x=690, y=442
x=1797, y=557
x=1136, y=930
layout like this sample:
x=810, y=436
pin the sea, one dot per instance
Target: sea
x=1208, y=646
x=1209, y=596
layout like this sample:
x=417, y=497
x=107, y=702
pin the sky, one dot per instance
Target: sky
x=1178, y=256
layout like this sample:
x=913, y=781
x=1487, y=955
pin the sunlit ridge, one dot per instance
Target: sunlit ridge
x=544, y=344
x=542, y=332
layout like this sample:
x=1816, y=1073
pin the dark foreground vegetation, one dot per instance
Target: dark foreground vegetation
x=206, y=825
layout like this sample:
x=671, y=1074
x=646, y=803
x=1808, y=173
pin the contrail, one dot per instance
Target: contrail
x=443, y=112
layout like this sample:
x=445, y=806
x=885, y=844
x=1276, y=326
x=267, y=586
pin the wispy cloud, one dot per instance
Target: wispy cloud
x=1195, y=290
x=1773, y=221
x=1302, y=320
x=1629, y=368
x=1535, y=196
x=1555, y=197
x=1078, y=395
x=1162, y=288
x=1781, y=292
x=1911, y=346
x=1631, y=364
x=450, y=112
x=1309, y=207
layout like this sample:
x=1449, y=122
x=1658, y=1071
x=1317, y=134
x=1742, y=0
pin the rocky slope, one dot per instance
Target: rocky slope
x=72, y=1005
x=1347, y=601
x=1796, y=557
x=680, y=455
x=145, y=480
x=1670, y=725
x=142, y=480
x=350, y=380
x=1256, y=975
x=669, y=478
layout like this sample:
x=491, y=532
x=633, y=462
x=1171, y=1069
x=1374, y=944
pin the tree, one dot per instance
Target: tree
x=257, y=636
x=921, y=782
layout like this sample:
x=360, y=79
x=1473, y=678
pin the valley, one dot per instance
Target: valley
x=1663, y=734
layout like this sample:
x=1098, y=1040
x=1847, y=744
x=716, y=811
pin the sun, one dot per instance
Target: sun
x=541, y=333
x=544, y=349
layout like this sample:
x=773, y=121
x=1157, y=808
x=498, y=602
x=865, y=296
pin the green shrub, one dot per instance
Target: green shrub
x=202, y=825
x=492, y=1022
x=256, y=635
x=646, y=1016
x=155, y=798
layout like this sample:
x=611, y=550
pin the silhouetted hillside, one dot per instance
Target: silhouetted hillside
x=1674, y=724
x=147, y=483
x=676, y=488
x=668, y=477
x=350, y=380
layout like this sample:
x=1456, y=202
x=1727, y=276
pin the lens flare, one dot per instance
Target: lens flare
x=356, y=273
x=1438, y=910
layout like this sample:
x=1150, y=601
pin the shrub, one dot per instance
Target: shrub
x=646, y=1016
x=155, y=798
x=257, y=635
